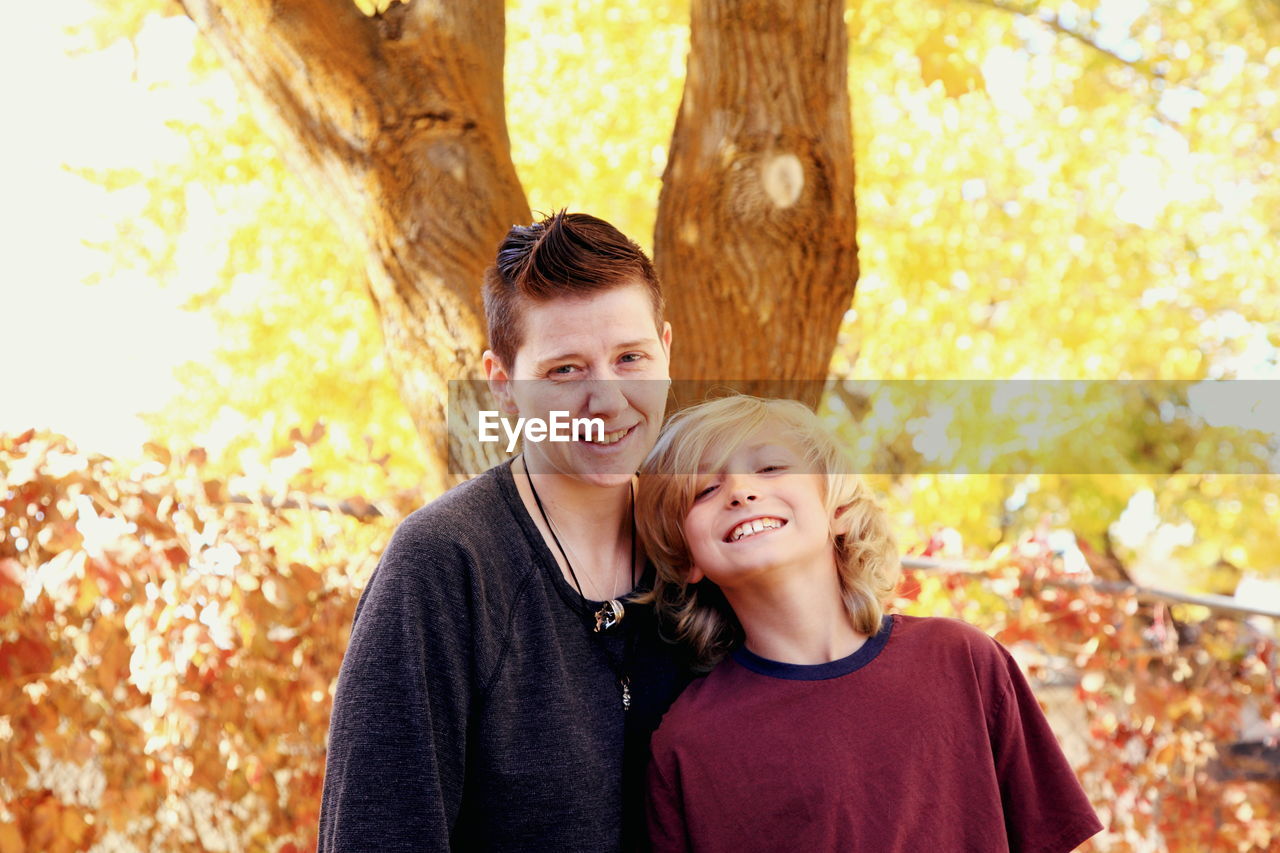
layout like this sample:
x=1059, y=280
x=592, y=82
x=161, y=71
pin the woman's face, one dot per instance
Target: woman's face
x=600, y=356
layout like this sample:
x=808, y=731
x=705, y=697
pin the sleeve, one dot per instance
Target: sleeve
x=1046, y=810
x=664, y=807
x=398, y=732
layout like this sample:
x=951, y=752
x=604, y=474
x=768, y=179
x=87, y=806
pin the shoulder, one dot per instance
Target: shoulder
x=468, y=542
x=456, y=567
x=939, y=629
x=472, y=520
x=709, y=698
x=476, y=510
x=952, y=646
x=941, y=636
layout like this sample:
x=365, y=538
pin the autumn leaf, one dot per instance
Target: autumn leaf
x=24, y=657
x=114, y=664
x=941, y=60
x=11, y=839
x=11, y=574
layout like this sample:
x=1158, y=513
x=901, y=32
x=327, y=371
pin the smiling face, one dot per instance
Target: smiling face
x=599, y=356
x=725, y=466
x=757, y=514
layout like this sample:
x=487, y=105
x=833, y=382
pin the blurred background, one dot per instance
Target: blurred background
x=203, y=444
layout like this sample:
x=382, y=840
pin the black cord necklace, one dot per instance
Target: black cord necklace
x=613, y=610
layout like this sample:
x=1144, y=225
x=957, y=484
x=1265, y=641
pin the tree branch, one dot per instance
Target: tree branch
x=1216, y=603
x=1053, y=22
x=358, y=509
x=398, y=122
x=293, y=57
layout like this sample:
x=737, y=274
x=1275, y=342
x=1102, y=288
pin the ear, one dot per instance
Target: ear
x=842, y=521
x=499, y=381
x=695, y=575
x=666, y=340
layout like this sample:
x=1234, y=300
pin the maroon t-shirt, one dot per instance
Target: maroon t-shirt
x=925, y=739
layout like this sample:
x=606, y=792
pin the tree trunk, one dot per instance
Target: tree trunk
x=756, y=232
x=398, y=122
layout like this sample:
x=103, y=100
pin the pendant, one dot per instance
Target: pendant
x=625, y=683
x=610, y=614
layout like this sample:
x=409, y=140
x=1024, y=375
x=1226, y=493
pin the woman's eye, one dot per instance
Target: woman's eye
x=772, y=469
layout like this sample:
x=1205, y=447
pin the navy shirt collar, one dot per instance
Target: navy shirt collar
x=865, y=654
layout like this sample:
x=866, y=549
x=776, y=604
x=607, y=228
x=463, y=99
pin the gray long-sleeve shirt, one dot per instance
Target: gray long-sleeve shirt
x=475, y=709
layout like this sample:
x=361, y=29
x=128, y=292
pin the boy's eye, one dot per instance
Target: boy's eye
x=704, y=491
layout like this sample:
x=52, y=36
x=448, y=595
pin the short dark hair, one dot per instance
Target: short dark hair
x=563, y=255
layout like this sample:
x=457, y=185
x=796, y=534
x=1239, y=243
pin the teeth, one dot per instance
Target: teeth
x=750, y=528
x=612, y=437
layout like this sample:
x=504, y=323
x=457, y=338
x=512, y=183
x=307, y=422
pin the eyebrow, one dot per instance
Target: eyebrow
x=768, y=445
x=705, y=470
x=574, y=354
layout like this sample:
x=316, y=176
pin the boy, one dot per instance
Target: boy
x=825, y=724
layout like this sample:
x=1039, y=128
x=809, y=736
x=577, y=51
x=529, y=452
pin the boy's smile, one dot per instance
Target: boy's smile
x=754, y=527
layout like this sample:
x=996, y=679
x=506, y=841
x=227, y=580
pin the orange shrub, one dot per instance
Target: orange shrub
x=167, y=656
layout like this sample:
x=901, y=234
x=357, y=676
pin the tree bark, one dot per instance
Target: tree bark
x=756, y=230
x=398, y=122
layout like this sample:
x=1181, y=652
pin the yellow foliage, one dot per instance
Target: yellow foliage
x=118, y=19
x=1081, y=196
x=592, y=92
x=1066, y=220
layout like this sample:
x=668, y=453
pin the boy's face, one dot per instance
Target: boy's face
x=599, y=356
x=762, y=513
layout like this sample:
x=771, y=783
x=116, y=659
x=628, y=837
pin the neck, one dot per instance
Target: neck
x=795, y=616
x=582, y=505
x=592, y=523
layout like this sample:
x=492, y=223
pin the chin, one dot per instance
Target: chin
x=606, y=470
x=605, y=480
x=602, y=474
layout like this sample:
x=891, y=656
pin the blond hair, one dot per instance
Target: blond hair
x=703, y=438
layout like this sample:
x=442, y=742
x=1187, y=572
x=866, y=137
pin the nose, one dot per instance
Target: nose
x=605, y=398
x=739, y=489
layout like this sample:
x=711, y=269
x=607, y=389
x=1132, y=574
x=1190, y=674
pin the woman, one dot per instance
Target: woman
x=497, y=692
